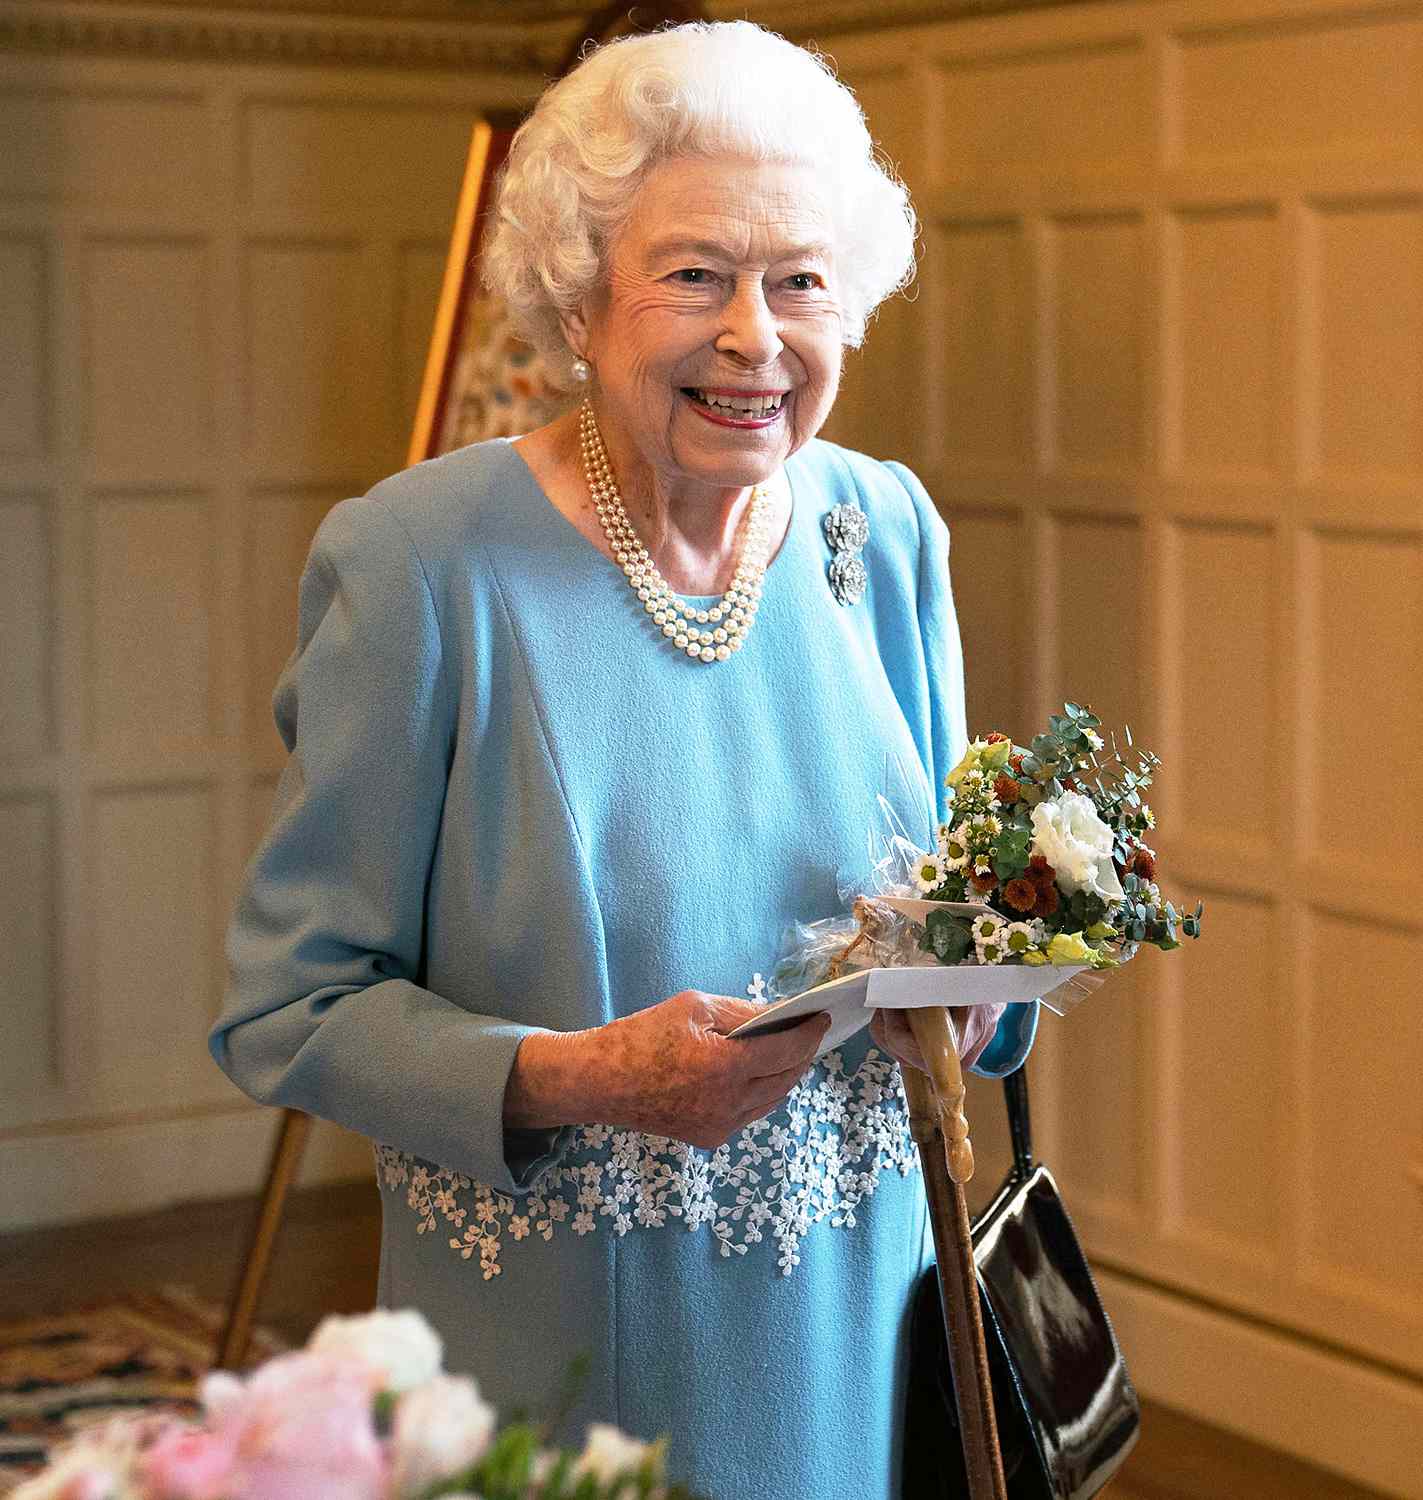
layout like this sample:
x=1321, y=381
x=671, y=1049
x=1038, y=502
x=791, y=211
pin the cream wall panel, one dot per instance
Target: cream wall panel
x=29, y=939
x=341, y=159
x=1098, y=270
x=984, y=331
x=1348, y=1416
x=306, y=332
x=150, y=388
x=891, y=100
x=151, y=971
x=1225, y=657
x=1361, y=1173
x=881, y=406
x=882, y=390
x=421, y=271
x=994, y=613
x=279, y=533
x=151, y=576
x=1288, y=85
x=216, y=282
x=1230, y=1202
x=26, y=629
x=24, y=346
x=62, y=1176
x=110, y=147
x=1224, y=396
x=1100, y=1138
x=1097, y=622
x=1368, y=372
x=1362, y=677
x=1047, y=109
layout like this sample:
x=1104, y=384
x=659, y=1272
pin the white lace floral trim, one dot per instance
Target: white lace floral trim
x=818, y=1157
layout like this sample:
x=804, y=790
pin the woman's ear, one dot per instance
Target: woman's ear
x=575, y=331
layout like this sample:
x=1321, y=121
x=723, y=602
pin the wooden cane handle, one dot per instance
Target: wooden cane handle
x=930, y=1026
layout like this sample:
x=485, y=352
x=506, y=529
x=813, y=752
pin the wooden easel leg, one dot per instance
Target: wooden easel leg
x=281, y=1173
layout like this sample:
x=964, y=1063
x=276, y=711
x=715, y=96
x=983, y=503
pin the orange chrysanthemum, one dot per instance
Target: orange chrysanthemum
x=995, y=738
x=1016, y=761
x=1047, y=902
x=1143, y=863
x=1005, y=788
x=984, y=883
x=1020, y=894
x=1040, y=872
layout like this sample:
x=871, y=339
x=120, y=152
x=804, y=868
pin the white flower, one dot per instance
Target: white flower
x=440, y=1428
x=1018, y=937
x=929, y=872
x=1093, y=738
x=986, y=927
x=953, y=847
x=1077, y=844
x=400, y=1345
x=991, y=951
x=609, y=1452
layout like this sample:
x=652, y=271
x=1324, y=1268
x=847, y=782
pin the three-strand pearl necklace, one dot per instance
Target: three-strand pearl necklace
x=706, y=634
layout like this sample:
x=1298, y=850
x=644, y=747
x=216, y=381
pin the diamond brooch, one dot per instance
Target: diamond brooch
x=847, y=529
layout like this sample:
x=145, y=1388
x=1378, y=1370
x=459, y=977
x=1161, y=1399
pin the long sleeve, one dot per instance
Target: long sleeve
x=326, y=1009
x=943, y=653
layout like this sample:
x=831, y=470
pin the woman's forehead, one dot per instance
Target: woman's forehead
x=731, y=208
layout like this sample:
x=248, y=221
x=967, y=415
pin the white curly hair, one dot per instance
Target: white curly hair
x=706, y=89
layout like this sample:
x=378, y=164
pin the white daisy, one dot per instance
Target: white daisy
x=1018, y=937
x=986, y=927
x=993, y=952
x=953, y=850
x=929, y=872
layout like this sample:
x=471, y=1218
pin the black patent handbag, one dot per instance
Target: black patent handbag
x=1067, y=1414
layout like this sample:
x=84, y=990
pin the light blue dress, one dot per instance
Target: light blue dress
x=511, y=805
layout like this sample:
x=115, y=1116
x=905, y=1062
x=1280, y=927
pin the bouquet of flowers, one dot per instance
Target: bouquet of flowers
x=364, y=1412
x=1049, y=842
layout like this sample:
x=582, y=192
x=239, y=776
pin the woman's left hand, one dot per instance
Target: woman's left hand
x=974, y=1026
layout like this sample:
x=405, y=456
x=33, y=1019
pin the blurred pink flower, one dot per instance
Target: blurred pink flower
x=190, y=1464
x=300, y=1428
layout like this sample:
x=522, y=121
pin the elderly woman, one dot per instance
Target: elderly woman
x=578, y=724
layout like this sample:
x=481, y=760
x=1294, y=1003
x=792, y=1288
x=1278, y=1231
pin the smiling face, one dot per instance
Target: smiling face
x=717, y=339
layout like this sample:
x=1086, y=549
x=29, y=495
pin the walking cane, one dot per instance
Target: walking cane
x=940, y=1130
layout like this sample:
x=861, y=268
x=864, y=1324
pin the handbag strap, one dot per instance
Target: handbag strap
x=1020, y=1129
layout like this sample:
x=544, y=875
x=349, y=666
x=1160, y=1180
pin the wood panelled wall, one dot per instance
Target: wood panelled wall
x=217, y=284
x=1164, y=376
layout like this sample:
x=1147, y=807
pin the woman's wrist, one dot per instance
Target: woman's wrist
x=547, y=1085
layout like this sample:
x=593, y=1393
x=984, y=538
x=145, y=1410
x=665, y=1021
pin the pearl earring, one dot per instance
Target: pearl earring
x=581, y=370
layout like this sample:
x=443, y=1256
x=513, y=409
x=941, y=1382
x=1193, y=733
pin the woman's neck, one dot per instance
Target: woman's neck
x=691, y=531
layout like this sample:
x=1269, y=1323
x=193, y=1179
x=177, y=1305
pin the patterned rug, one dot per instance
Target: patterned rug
x=60, y=1373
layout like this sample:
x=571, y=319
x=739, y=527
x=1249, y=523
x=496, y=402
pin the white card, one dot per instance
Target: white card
x=852, y=999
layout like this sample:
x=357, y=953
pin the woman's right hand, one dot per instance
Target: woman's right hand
x=668, y=1070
